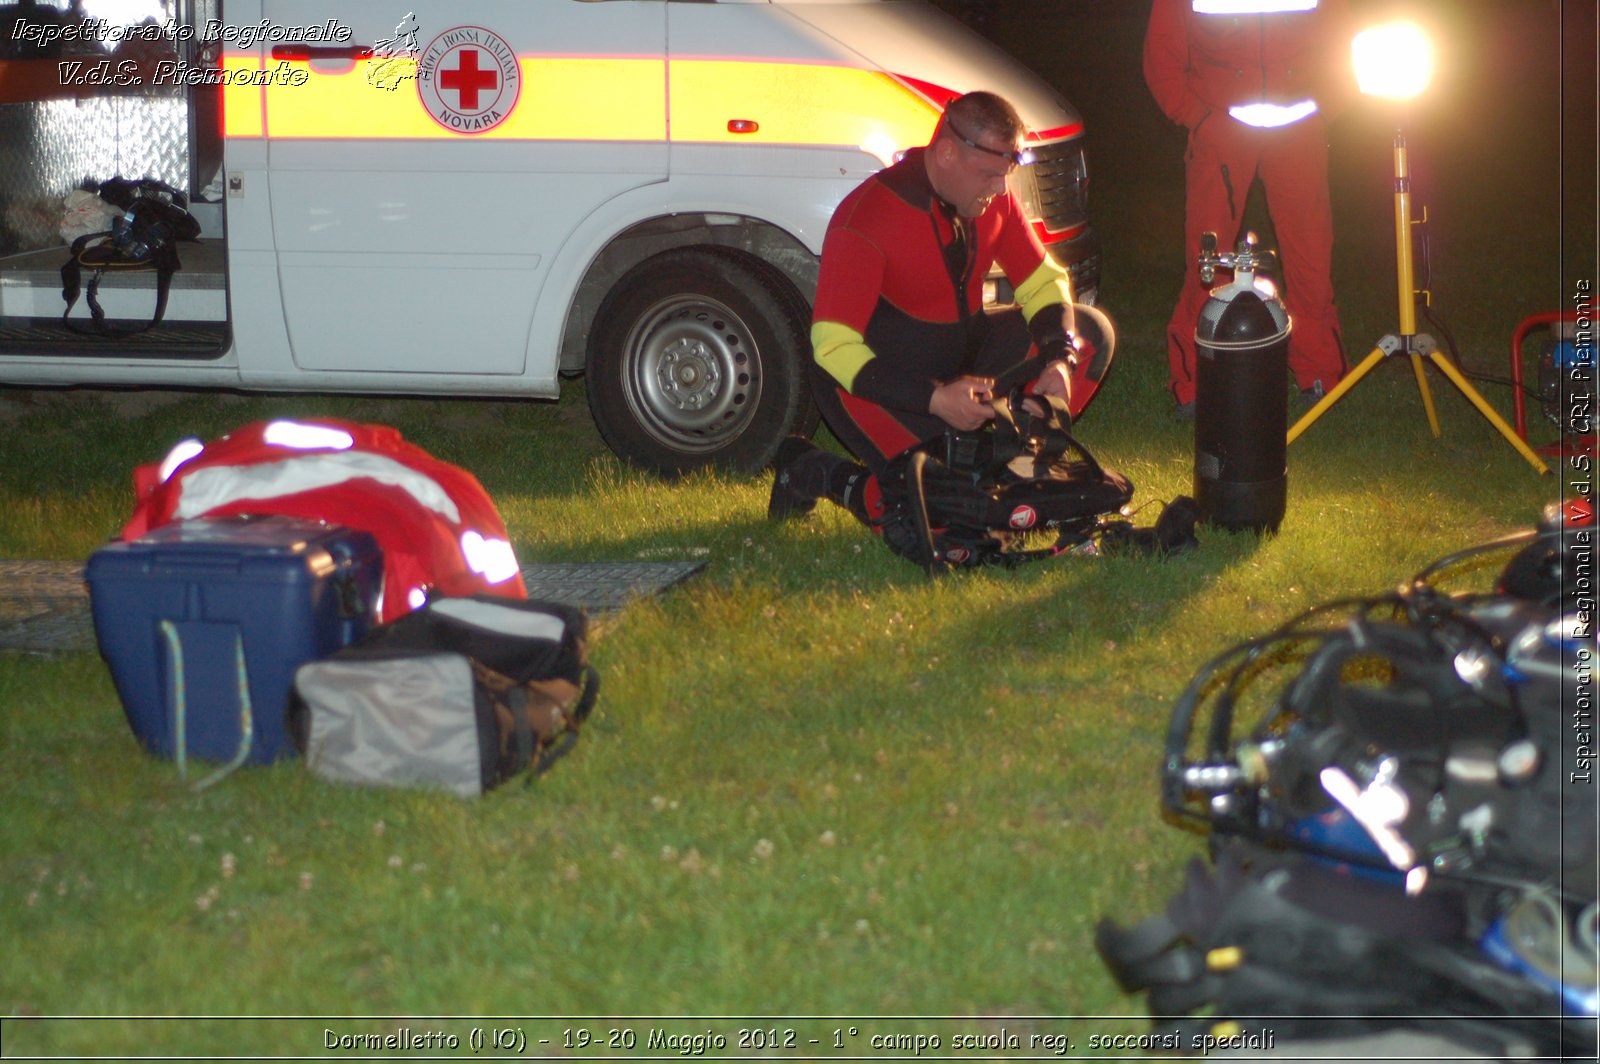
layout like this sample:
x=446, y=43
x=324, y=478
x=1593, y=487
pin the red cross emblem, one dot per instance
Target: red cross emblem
x=469, y=79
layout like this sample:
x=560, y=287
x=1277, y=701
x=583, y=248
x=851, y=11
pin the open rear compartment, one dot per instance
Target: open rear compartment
x=92, y=90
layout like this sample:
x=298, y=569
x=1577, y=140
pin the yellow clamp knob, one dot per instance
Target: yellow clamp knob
x=1224, y=958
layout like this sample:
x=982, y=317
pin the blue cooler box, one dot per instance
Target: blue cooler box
x=191, y=615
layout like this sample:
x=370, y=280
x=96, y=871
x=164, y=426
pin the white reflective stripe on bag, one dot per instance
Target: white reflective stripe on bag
x=495, y=617
x=217, y=486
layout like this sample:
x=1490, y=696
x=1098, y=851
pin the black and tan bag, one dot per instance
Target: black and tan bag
x=462, y=694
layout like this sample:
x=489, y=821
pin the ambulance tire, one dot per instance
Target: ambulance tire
x=698, y=358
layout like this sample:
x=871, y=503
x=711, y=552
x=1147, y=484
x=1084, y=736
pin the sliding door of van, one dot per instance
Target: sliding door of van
x=425, y=171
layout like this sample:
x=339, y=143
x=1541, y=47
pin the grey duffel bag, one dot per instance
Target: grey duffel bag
x=461, y=694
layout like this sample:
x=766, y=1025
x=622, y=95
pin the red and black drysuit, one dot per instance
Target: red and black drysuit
x=1253, y=81
x=899, y=309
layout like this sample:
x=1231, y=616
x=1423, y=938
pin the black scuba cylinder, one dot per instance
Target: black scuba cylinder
x=1241, y=405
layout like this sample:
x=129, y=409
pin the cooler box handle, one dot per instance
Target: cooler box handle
x=179, y=703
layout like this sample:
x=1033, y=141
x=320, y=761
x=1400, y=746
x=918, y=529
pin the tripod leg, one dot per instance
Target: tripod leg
x=1427, y=396
x=1488, y=411
x=1350, y=380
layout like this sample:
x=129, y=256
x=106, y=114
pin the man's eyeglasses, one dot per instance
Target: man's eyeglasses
x=1016, y=158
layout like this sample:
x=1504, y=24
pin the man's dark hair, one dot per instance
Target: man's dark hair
x=980, y=113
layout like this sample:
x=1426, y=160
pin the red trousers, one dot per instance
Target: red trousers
x=1225, y=156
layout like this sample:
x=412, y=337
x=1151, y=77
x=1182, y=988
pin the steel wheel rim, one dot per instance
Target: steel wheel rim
x=692, y=373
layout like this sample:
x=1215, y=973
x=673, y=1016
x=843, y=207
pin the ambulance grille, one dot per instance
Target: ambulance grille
x=1061, y=181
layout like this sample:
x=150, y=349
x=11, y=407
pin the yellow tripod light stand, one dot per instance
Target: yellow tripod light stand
x=1409, y=342
x=1395, y=61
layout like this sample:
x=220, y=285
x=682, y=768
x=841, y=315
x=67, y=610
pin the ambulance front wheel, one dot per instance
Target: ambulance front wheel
x=697, y=357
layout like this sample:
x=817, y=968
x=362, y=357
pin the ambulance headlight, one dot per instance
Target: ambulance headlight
x=883, y=147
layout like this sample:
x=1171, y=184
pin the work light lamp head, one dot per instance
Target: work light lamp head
x=1394, y=60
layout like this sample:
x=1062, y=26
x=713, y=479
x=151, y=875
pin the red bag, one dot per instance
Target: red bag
x=439, y=530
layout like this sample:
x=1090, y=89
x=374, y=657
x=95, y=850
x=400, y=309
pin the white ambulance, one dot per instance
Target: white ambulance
x=431, y=198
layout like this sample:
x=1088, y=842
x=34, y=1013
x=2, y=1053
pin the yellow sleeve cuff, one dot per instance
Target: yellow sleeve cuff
x=1047, y=286
x=841, y=351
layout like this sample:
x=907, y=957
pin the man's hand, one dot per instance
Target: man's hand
x=963, y=403
x=1054, y=380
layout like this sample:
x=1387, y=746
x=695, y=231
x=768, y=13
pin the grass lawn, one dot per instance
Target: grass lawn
x=819, y=784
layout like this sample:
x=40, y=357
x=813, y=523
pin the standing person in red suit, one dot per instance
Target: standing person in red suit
x=903, y=345
x=1253, y=81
